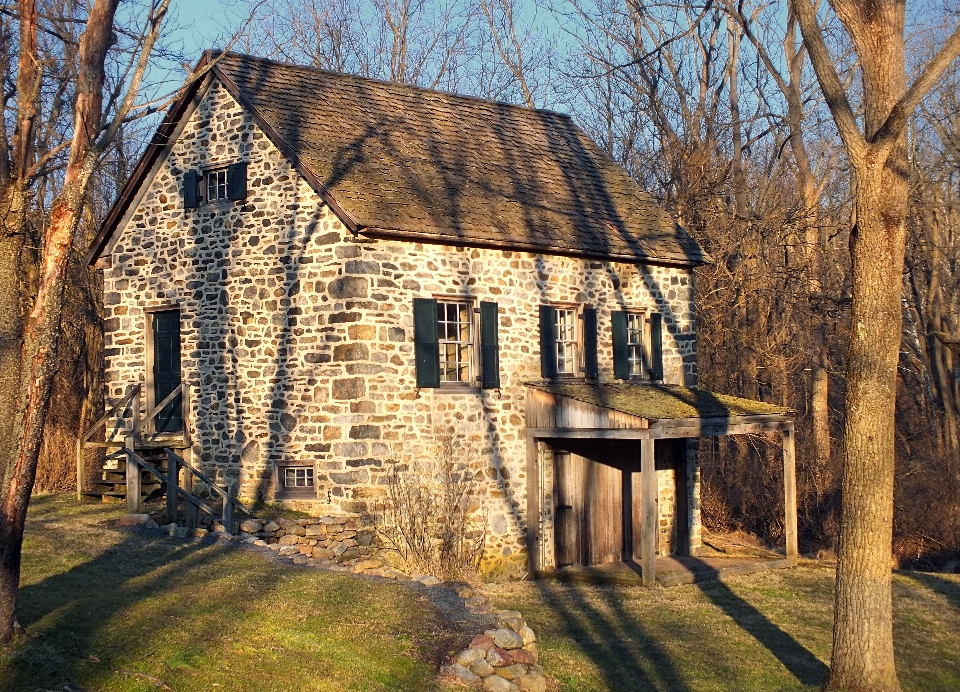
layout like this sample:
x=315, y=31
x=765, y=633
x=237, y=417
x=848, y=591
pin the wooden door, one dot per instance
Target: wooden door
x=589, y=510
x=605, y=513
x=569, y=479
x=166, y=369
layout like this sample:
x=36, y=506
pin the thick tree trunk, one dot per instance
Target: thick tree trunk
x=863, y=629
x=41, y=329
x=11, y=340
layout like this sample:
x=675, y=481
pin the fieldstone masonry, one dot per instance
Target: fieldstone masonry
x=297, y=336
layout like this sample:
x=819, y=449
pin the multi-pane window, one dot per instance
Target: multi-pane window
x=566, y=324
x=635, y=343
x=217, y=184
x=297, y=477
x=455, y=328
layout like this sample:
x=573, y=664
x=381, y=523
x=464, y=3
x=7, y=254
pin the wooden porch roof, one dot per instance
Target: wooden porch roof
x=624, y=409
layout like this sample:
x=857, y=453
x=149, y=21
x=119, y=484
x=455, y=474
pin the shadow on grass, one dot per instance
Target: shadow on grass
x=73, y=617
x=801, y=663
x=946, y=588
x=624, y=652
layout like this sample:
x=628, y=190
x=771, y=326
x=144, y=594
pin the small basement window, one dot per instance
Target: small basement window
x=297, y=477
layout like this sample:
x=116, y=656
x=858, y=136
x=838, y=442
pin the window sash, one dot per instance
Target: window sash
x=216, y=185
x=297, y=477
x=635, y=354
x=455, y=331
x=565, y=335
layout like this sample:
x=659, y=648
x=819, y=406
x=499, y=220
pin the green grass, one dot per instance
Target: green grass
x=109, y=609
x=767, y=631
x=113, y=610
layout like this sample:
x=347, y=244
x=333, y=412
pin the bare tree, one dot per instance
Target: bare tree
x=863, y=625
x=30, y=337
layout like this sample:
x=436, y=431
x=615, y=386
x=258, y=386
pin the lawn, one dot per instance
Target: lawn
x=108, y=609
x=111, y=609
x=767, y=631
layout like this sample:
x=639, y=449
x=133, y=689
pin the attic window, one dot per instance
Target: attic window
x=214, y=185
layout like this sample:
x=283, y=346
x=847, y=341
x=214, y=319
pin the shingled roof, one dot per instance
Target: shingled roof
x=659, y=401
x=397, y=160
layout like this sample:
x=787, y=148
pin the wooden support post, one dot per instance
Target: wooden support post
x=790, y=493
x=228, y=517
x=534, y=539
x=648, y=506
x=191, y=515
x=133, y=478
x=80, y=468
x=173, y=487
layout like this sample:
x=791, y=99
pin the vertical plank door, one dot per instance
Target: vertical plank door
x=166, y=369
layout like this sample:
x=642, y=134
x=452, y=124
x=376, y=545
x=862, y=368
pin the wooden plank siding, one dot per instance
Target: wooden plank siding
x=545, y=410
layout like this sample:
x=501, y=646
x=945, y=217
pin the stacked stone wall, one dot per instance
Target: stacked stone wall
x=297, y=336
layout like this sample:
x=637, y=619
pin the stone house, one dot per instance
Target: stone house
x=342, y=269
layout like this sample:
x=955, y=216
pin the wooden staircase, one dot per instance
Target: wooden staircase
x=143, y=465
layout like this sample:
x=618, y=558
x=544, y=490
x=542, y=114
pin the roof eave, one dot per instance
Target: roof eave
x=638, y=257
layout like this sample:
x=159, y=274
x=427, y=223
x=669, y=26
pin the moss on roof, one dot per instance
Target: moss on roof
x=656, y=401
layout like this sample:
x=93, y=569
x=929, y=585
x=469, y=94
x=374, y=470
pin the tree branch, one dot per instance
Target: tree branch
x=833, y=91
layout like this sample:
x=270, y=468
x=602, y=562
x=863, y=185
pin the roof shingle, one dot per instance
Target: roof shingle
x=449, y=168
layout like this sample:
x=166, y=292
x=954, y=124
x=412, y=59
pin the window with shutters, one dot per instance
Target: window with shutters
x=456, y=344
x=455, y=332
x=215, y=185
x=637, y=349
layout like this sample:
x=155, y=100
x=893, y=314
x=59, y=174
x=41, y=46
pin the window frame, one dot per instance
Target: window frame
x=643, y=316
x=283, y=491
x=212, y=171
x=473, y=344
x=579, y=366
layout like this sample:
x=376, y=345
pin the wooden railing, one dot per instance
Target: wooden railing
x=139, y=435
x=136, y=463
x=129, y=403
x=174, y=463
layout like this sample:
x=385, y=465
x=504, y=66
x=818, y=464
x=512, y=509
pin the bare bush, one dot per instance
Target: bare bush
x=431, y=517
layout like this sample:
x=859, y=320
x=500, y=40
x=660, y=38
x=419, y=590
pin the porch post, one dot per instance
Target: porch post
x=534, y=539
x=648, y=506
x=790, y=492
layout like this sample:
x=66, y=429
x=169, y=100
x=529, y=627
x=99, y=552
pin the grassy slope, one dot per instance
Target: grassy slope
x=109, y=609
x=769, y=631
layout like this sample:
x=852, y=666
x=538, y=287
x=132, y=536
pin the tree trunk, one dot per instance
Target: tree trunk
x=41, y=330
x=863, y=630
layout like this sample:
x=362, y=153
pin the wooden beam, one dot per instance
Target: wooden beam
x=790, y=493
x=133, y=479
x=692, y=430
x=173, y=487
x=534, y=539
x=589, y=433
x=648, y=505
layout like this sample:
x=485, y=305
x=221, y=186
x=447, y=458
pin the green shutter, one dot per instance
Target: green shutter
x=426, y=342
x=621, y=355
x=656, y=346
x=489, y=347
x=591, y=366
x=190, y=200
x=237, y=181
x=548, y=341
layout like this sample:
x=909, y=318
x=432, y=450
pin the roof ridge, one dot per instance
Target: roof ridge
x=388, y=83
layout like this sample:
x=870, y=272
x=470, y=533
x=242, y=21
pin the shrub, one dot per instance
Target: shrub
x=431, y=517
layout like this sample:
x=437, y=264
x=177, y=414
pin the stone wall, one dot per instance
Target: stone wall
x=297, y=337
